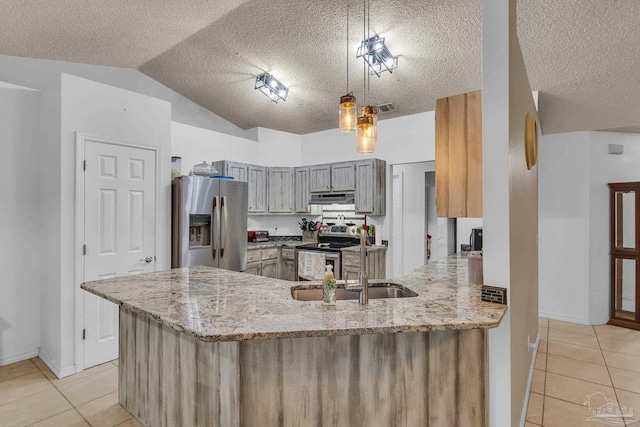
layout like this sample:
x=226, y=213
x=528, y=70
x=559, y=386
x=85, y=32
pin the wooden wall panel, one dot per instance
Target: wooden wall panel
x=168, y=378
x=459, y=156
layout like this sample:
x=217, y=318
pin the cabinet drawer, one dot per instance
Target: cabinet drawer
x=351, y=260
x=253, y=256
x=288, y=253
x=271, y=253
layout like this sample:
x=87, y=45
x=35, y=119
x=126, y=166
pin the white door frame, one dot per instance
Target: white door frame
x=79, y=271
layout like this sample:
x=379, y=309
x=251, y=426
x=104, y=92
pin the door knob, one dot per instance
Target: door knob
x=147, y=259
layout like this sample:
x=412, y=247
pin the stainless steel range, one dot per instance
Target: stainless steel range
x=330, y=244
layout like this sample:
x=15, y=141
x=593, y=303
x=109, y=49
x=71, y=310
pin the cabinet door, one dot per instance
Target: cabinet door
x=280, y=193
x=343, y=177
x=237, y=170
x=255, y=269
x=320, y=178
x=365, y=186
x=288, y=271
x=257, y=189
x=301, y=192
x=270, y=269
x=459, y=156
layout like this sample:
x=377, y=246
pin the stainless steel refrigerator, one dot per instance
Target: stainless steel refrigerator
x=209, y=223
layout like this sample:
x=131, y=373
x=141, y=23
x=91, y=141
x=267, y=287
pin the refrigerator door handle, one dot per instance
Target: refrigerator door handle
x=223, y=225
x=216, y=220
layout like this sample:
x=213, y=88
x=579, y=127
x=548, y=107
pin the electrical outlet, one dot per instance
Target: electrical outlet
x=494, y=294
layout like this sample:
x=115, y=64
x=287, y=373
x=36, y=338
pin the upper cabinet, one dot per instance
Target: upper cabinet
x=239, y=171
x=319, y=178
x=257, y=189
x=370, y=187
x=343, y=177
x=459, y=156
x=280, y=190
x=301, y=190
x=283, y=190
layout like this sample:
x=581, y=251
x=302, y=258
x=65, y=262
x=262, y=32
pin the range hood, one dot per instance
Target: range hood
x=332, y=199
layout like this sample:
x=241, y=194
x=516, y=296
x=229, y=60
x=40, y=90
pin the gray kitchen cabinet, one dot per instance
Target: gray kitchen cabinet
x=254, y=261
x=301, y=193
x=254, y=268
x=287, y=270
x=239, y=171
x=319, y=178
x=343, y=177
x=270, y=269
x=280, y=190
x=376, y=264
x=263, y=261
x=257, y=189
x=370, y=186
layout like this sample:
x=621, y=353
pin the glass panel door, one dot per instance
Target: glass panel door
x=624, y=279
x=625, y=220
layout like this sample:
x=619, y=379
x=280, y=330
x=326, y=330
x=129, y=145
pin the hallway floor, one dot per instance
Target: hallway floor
x=577, y=361
x=574, y=362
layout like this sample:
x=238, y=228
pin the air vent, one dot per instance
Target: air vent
x=386, y=108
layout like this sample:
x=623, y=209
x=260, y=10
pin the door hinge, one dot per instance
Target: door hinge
x=84, y=165
x=84, y=249
x=84, y=334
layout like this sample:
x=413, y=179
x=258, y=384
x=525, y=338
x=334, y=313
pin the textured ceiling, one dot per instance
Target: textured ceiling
x=582, y=56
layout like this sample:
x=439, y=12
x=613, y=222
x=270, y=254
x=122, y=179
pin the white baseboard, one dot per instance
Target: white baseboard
x=8, y=360
x=529, y=382
x=565, y=318
x=57, y=371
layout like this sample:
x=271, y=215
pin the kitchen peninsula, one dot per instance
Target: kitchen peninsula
x=204, y=346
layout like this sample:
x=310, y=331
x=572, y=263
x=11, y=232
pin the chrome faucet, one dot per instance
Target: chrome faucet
x=363, y=279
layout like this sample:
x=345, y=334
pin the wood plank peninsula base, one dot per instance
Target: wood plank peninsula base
x=169, y=378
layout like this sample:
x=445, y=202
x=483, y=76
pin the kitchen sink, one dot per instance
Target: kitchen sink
x=376, y=290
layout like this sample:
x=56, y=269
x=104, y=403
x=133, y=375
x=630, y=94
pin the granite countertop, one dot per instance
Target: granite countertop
x=221, y=305
x=369, y=248
x=274, y=244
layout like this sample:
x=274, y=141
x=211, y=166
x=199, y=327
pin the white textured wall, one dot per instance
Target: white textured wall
x=20, y=226
x=400, y=140
x=605, y=168
x=564, y=236
x=50, y=266
x=38, y=73
x=575, y=169
x=101, y=110
x=278, y=148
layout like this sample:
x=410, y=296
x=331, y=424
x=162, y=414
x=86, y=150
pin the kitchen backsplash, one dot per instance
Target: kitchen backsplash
x=287, y=225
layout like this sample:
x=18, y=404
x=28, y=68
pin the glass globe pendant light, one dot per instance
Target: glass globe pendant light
x=347, y=111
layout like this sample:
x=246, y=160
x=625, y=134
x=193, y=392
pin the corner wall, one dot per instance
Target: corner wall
x=574, y=221
x=20, y=225
x=101, y=110
x=510, y=204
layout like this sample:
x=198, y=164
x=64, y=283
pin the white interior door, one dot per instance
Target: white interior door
x=119, y=218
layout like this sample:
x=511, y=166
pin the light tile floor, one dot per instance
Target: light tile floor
x=30, y=395
x=575, y=361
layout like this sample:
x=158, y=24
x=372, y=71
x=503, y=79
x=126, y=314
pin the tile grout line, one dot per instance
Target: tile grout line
x=65, y=398
x=615, y=390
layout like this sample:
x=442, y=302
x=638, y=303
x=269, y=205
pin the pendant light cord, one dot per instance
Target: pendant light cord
x=364, y=37
x=369, y=38
x=347, y=46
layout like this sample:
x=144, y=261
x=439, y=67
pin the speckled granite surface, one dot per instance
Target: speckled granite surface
x=273, y=244
x=220, y=305
x=369, y=249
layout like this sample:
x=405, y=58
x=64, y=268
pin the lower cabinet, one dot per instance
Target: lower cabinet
x=263, y=261
x=376, y=264
x=288, y=265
